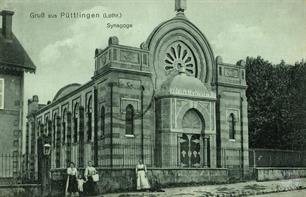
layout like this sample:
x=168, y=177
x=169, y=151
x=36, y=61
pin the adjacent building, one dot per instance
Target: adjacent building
x=170, y=102
x=14, y=62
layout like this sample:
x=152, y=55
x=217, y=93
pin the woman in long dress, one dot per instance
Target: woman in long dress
x=90, y=184
x=142, y=179
x=72, y=184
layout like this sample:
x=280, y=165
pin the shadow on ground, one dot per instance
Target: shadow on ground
x=255, y=187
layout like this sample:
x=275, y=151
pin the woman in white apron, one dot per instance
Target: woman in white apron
x=142, y=179
x=72, y=184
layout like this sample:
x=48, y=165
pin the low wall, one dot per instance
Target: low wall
x=272, y=173
x=124, y=179
x=20, y=190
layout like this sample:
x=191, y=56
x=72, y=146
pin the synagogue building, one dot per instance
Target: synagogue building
x=171, y=102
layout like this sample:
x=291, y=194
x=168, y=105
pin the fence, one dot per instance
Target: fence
x=128, y=155
x=230, y=157
x=276, y=158
x=9, y=168
x=265, y=158
x=165, y=155
x=9, y=165
x=232, y=160
x=17, y=168
x=172, y=156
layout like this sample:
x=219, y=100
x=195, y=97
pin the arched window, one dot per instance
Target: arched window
x=54, y=129
x=58, y=142
x=102, y=121
x=49, y=127
x=46, y=125
x=40, y=128
x=81, y=137
x=64, y=123
x=232, y=123
x=75, y=122
x=129, y=120
x=89, y=119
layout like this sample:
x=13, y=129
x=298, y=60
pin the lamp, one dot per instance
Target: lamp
x=47, y=149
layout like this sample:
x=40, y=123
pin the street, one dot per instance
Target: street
x=272, y=188
x=299, y=193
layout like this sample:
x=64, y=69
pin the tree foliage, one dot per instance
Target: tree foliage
x=277, y=104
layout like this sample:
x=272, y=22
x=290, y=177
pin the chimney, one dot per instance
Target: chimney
x=7, y=23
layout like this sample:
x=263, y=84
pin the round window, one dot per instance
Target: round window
x=180, y=58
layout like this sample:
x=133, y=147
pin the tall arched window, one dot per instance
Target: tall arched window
x=40, y=128
x=49, y=127
x=232, y=123
x=129, y=120
x=68, y=137
x=64, y=123
x=46, y=125
x=102, y=121
x=54, y=128
x=89, y=119
x=81, y=137
x=75, y=122
x=58, y=142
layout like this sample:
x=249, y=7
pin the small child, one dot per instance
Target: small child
x=81, y=182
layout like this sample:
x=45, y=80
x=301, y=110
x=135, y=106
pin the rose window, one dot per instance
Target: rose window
x=180, y=58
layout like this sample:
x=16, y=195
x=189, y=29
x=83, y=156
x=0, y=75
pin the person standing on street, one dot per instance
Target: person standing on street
x=72, y=184
x=141, y=174
x=90, y=171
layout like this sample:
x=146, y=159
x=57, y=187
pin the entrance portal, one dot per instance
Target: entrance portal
x=190, y=149
x=191, y=142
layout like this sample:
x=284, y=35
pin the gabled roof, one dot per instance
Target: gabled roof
x=13, y=56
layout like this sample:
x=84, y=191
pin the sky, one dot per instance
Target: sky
x=63, y=49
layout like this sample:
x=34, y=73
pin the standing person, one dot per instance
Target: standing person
x=72, y=184
x=90, y=184
x=142, y=180
x=81, y=182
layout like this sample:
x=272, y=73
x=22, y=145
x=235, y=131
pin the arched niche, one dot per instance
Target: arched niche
x=175, y=31
x=192, y=121
x=202, y=113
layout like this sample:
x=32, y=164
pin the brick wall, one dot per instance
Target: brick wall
x=272, y=173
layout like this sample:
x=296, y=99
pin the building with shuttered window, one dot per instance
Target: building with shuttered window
x=14, y=63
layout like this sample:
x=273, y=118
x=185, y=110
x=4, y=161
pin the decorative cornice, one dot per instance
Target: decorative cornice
x=186, y=97
x=231, y=85
x=107, y=70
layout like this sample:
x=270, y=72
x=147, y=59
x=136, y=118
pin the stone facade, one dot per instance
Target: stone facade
x=169, y=102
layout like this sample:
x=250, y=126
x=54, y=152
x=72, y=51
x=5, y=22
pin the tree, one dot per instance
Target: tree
x=277, y=104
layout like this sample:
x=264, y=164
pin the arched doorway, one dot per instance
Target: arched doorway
x=191, y=142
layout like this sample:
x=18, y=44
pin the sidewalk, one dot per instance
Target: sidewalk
x=237, y=189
